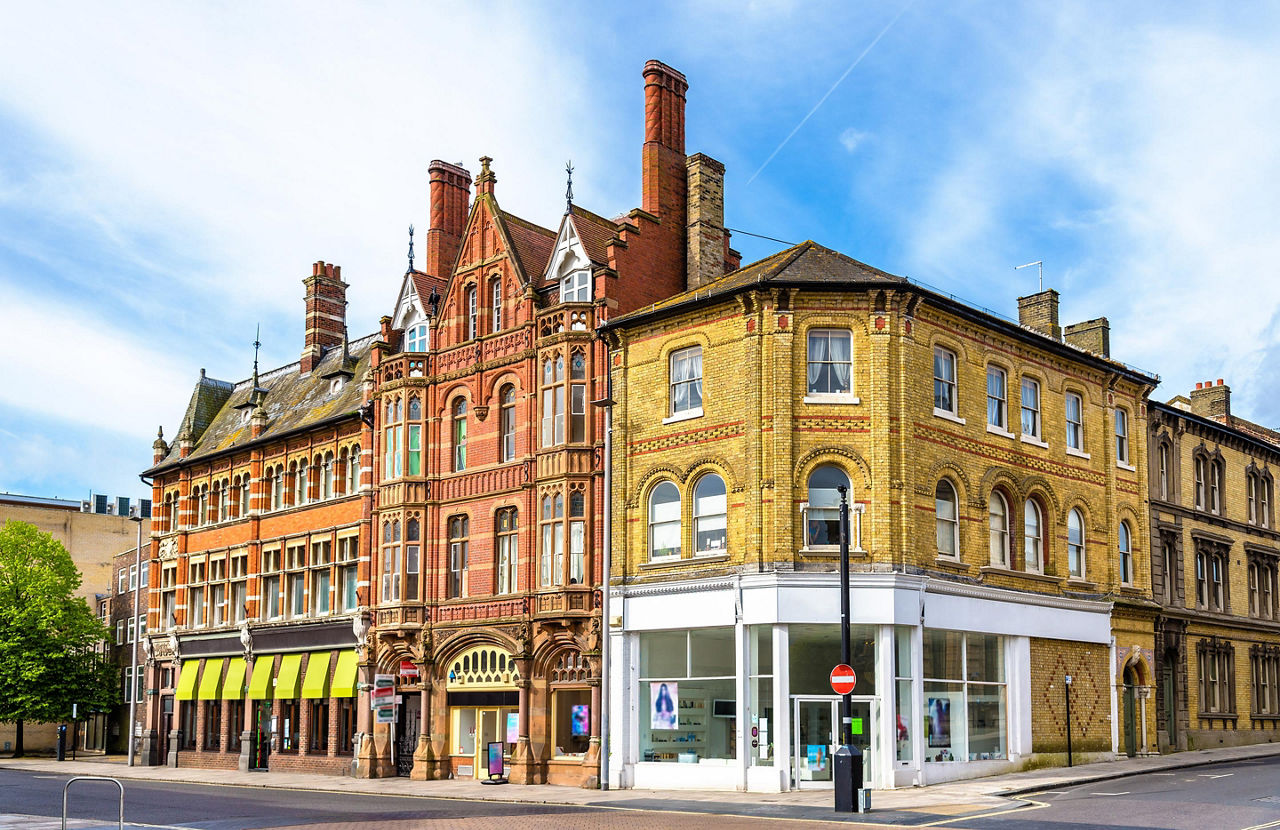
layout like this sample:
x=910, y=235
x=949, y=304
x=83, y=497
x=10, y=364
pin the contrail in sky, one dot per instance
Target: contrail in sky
x=824, y=98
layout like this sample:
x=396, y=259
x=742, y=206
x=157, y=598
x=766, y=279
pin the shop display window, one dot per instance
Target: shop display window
x=346, y=725
x=319, y=726
x=287, y=726
x=965, y=711
x=815, y=650
x=235, y=723
x=571, y=727
x=189, y=724
x=762, y=726
x=688, y=696
x=904, y=738
x=212, y=725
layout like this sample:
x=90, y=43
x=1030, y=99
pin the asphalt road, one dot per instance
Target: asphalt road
x=1245, y=794
x=1233, y=796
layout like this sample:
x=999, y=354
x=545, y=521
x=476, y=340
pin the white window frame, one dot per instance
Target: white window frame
x=1122, y=437
x=1035, y=435
x=998, y=536
x=1078, y=550
x=953, y=522
x=694, y=382
x=417, y=338
x=998, y=417
x=1075, y=428
x=945, y=384
x=576, y=287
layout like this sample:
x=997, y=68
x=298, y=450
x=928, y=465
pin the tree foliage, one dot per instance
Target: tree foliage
x=49, y=638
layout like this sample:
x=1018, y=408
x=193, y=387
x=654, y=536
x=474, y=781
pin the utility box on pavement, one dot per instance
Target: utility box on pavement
x=847, y=772
x=62, y=742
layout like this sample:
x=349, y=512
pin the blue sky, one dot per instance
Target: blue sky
x=168, y=172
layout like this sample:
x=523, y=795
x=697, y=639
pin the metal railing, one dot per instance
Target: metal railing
x=67, y=789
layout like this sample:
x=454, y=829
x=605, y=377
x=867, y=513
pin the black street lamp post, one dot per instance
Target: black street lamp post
x=848, y=758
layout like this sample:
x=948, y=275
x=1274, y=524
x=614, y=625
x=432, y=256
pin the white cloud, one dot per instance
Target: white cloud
x=852, y=137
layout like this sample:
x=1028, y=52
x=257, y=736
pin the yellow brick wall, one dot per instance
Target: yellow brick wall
x=759, y=433
x=1051, y=662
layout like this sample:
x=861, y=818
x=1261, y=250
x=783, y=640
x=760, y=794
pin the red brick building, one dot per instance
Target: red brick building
x=426, y=503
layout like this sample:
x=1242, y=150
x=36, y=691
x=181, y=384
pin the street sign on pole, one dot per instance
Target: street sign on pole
x=843, y=679
x=408, y=669
x=384, y=715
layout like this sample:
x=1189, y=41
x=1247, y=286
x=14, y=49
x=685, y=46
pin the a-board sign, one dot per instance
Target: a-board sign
x=495, y=759
x=843, y=679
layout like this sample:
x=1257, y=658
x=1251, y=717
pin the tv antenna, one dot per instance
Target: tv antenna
x=1040, y=264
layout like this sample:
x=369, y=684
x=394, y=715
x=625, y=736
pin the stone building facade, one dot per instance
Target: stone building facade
x=1216, y=552
x=997, y=528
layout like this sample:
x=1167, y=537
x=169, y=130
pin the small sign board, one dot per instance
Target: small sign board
x=384, y=715
x=843, y=679
x=408, y=669
x=384, y=681
x=494, y=764
x=387, y=693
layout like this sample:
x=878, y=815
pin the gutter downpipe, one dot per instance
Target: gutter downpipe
x=607, y=568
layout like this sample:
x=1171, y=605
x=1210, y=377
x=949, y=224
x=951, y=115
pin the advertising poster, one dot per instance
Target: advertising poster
x=939, y=721
x=816, y=756
x=495, y=759
x=581, y=720
x=666, y=699
x=513, y=727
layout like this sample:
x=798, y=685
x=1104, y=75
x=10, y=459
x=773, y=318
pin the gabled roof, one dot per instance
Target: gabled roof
x=293, y=402
x=206, y=400
x=532, y=243
x=596, y=233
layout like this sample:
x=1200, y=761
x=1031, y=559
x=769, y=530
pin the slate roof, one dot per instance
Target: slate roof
x=423, y=283
x=807, y=262
x=293, y=402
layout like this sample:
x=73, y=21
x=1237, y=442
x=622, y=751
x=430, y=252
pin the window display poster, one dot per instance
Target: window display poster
x=666, y=699
x=581, y=720
x=939, y=722
x=513, y=727
x=816, y=756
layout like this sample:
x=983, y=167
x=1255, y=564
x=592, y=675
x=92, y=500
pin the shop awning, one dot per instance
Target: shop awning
x=344, y=675
x=287, y=677
x=233, y=683
x=316, y=682
x=187, y=680
x=260, y=682
x=211, y=680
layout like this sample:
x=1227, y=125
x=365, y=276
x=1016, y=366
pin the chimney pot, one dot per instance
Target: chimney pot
x=1199, y=385
x=1039, y=312
x=1219, y=381
x=326, y=313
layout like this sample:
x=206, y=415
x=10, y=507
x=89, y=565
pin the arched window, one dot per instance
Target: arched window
x=353, y=470
x=326, y=477
x=459, y=435
x=1200, y=479
x=495, y=290
x=664, y=521
x=277, y=488
x=300, y=483
x=709, y=514
x=822, y=513
x=507, y=423
x=948, y=519
x=171, y=513
x=1075, y=544
x=473, y=312
x=1164, y=471
x=416, y=339
x=1124, y=545
x=1032, y=537
x=998, y=513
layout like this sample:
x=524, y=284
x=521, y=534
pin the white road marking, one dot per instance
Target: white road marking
x=1126, y=792
x=1163, y=773
x=1221, y=775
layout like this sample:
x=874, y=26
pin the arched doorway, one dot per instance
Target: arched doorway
x=483, y=700
x=1131, y=683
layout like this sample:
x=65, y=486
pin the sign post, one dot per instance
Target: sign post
x=848, y=759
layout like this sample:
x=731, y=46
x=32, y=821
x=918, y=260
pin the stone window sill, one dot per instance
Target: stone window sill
x=837, y=400
x=1125, y=466
x=1002, y=571
x=831, y=551
x=1003, y=433
x=1080, y=584
x=1034, y=441
x=661, y=562
x=683, y=416
x=1078, y=453
x=951, y=564
x=949, y=416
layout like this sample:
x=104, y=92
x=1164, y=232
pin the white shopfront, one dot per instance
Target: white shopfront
x=724, y=683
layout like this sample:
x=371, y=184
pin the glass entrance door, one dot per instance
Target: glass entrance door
x=261, y=749
x=815, y=724
x=486, y=732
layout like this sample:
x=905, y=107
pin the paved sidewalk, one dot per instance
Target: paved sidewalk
x=904, y=806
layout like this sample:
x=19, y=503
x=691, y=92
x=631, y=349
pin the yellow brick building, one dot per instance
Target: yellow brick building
x=1217, y=552
x=996, y=524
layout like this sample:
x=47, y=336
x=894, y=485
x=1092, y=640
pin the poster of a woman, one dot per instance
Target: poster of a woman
x=666, y=699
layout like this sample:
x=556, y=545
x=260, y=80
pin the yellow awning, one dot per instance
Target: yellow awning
x=233, y=683
x=287, y=677
x=187, y=680
x=316, y=682
x=211, y=680
x=260, y=682
x=344, y=675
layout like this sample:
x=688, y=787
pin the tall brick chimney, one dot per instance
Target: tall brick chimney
x=1091, y=335
x=326, y=312
x=1039, y=312
x=450, y=199
x=707, y=245
x=1211, y=400
x=663, y=181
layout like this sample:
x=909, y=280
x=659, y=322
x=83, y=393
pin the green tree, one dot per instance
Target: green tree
x=49, y=638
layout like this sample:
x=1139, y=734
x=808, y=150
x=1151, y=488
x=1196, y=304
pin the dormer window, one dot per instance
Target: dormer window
x=415, y=338
x=576, y=287
x=335, y=385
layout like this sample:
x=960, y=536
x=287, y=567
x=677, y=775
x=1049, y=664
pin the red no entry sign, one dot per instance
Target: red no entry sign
x=843, y=679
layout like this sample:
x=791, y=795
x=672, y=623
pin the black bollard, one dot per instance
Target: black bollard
x=847, y=773
x=62, y=742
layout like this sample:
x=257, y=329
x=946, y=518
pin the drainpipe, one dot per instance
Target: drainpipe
x=607, y=568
